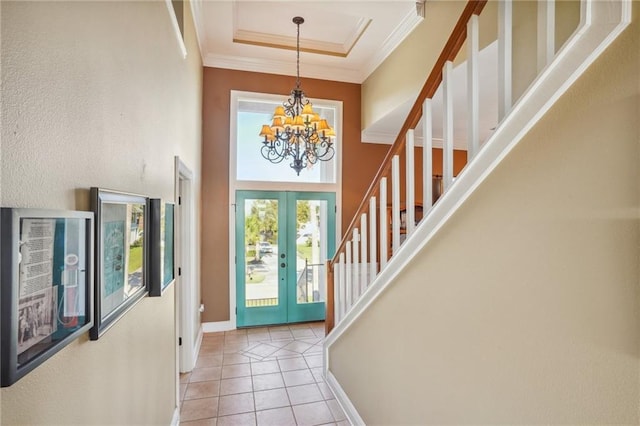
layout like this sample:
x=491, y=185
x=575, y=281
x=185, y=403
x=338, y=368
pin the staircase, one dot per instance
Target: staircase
x=384, y=237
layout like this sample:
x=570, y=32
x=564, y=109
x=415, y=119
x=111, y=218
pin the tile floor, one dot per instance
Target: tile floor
x=260, y=376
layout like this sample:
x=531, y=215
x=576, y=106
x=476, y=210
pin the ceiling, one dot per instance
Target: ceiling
x=340, y=40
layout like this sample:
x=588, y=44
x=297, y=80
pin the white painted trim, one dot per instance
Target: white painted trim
x=338, y=285
x=473, y=87
x=580, y=51
x=505, y=56
x=427, y=156
x=384, y=224
x=406, y=27
x=324, y=72
x=395, y=204
x=382, y=138
x=175, y=419
x=345, y=403
x=185, y=290
x=176, y=28
x=349, y=276
x=343, y=286
x=233, y=317
x=447, y=125
x=272, y=66
x=214, y=327
x=288, y=41
x=546, y=32
x=410, y=182
x=355, y=246
x=363, y=252
x=373, y=239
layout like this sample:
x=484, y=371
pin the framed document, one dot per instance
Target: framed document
x=46, y=263
x=121, y=255
x=161, y=246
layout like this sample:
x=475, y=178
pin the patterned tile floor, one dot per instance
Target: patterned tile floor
x=260, y=376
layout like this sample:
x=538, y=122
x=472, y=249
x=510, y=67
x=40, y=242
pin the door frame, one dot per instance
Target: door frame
x=287, y=309
x=235, y=184
x=186, y=292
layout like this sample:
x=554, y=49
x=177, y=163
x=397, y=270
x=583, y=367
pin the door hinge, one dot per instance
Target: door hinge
x=179, y=272
x=179, y=341
x=179, y=201
x=236, y=310
x=335, y=208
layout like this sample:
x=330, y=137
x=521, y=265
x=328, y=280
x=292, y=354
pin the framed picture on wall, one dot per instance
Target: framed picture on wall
x=46, y=264
x=161, y=246
x=121, y=255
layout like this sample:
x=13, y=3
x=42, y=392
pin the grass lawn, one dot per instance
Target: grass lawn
x=135, y=259
x=304, y=251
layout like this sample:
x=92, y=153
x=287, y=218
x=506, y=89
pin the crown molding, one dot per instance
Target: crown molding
x=357, y=75
x=322, y=72
x=408, y=24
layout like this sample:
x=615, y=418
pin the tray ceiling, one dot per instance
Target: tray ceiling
x=340, y=40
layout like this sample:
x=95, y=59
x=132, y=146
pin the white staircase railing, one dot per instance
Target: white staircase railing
x=383, y=238
x=380, y=231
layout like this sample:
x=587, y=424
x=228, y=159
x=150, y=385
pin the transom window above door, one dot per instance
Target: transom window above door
x=249, y=111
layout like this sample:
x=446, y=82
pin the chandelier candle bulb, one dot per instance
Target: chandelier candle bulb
x=297, y=132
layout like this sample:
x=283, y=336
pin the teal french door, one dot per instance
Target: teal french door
x=283, y=240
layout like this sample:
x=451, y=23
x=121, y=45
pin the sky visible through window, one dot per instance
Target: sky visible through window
x=250, y=163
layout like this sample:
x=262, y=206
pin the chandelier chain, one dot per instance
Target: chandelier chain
x=298, y=57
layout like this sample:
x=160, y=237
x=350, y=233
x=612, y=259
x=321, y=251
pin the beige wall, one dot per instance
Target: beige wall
x=97, y=94
x=401, y=76
x=525, y=308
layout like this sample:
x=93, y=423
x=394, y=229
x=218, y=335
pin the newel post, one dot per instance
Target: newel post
x=330, y=302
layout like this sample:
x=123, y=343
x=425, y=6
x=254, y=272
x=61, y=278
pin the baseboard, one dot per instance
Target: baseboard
x=175, y=420
x=344, y=401
x=214, y=327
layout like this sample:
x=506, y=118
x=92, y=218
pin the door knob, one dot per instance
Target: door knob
x=282, y=265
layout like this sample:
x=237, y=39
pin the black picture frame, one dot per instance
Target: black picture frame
x=121, y=272
x=46, y=291
x=161, y=246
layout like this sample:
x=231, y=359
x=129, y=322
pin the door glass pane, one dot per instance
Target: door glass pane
x=261, y=252
x=311, y=248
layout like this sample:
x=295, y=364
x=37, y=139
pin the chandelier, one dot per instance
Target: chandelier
x=297, y=132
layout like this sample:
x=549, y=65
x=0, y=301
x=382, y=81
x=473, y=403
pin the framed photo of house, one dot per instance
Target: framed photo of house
x=161, y=246
x=121, y=255
x=46, y=291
